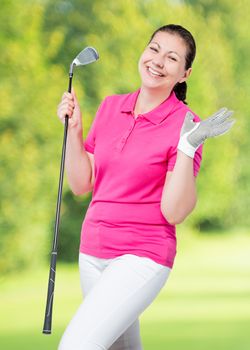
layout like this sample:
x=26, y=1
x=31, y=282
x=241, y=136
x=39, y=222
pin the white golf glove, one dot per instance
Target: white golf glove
x=193, y=134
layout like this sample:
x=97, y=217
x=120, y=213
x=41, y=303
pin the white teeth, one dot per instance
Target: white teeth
x=154, y=72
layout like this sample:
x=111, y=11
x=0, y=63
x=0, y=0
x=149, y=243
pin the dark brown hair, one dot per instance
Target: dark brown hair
x=180, y=89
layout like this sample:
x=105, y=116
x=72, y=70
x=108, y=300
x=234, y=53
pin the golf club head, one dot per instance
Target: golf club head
x=86, y=56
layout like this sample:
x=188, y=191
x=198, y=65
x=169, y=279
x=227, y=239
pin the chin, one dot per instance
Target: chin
x=152, y=86
x=149, y=84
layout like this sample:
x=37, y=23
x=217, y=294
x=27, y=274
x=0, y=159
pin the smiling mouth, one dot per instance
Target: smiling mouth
x=154, y=73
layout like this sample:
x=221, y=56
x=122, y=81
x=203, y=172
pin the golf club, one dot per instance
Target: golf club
x=86, y=56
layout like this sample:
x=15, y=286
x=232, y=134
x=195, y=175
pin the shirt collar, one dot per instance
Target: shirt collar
x=158, y=114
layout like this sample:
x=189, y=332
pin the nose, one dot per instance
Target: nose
x=158, y=61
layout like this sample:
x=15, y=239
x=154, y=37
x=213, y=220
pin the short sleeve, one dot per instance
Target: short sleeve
x=172, y=155
x=89, y=142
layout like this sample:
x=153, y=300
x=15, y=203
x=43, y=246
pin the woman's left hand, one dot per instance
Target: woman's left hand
x=193, y=134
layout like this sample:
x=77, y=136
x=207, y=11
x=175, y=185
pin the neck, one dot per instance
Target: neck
x=148, y=99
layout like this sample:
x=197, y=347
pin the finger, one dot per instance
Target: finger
x=68, y=94
x=221, y=110
x=67, y=97
x=65, y=107
x=66, y=103
x=74, y=96
x=220, y=117
x=222, y=129
x=65, y=111
x=217, y=113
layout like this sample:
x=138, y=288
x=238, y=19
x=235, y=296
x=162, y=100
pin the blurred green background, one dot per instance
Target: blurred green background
x=205, y=303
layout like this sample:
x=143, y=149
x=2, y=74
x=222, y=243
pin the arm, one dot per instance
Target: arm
x=179, y=193
x=77, y=162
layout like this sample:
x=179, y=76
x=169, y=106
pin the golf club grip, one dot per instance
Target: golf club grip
x=50, y=295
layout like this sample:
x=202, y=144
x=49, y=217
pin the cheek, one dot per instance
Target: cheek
x=174, y=70
x=141, y=62
x=144, y=57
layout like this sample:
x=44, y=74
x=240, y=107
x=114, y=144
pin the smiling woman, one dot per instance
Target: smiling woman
x=168, y=58
x=147, y=151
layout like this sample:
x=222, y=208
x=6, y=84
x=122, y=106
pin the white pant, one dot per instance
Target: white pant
x=116, y=291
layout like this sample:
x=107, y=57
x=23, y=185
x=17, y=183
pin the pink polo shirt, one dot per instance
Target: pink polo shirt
x=132, y=157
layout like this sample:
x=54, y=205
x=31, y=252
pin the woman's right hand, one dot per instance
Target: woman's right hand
x=70, y=106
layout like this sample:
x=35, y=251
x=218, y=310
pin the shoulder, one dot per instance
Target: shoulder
x=118, y=98
x=111, y=100
x=180, y=111
x=118, y=103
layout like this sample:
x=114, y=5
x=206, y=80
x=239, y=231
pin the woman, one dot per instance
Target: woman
x=140, y=158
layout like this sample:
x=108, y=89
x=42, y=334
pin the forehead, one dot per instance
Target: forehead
x=171, y=42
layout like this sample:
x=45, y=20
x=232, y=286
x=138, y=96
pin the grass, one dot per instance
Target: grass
x=205, y=303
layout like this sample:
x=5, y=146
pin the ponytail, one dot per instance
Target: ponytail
x=180, y=90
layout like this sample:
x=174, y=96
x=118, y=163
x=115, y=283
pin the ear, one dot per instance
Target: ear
x=186, y=75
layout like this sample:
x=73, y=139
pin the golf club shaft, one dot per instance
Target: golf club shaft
x=52, y=272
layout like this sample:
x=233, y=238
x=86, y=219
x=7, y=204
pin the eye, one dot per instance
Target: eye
x=153, y=48
x=172, y=58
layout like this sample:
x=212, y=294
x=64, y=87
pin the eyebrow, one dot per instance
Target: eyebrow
x=154, y=42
